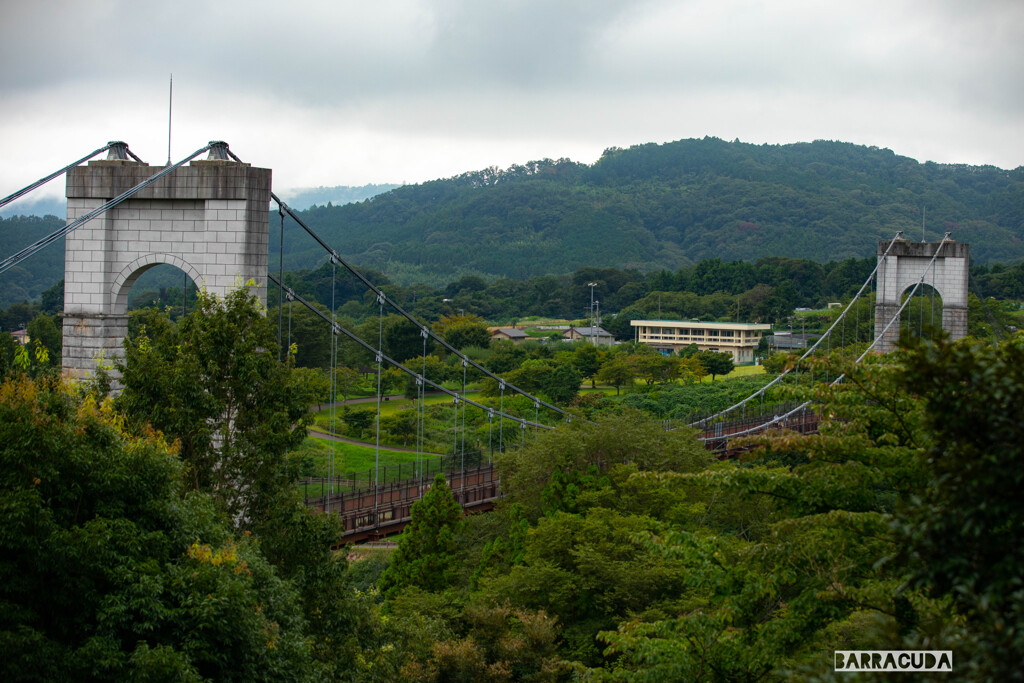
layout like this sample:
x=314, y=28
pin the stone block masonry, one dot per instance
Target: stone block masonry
x=210, y=219
x=906, y=263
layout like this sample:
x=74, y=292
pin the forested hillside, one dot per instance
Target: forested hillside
x=27, y=280
x=304, y=198
x=664, y=206
x=650, y=208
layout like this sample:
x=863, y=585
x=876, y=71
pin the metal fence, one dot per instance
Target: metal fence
x=426, y=468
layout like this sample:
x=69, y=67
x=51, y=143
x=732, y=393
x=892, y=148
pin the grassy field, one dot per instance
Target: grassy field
x=347, y=457
x=394, y=405
x=744, y=370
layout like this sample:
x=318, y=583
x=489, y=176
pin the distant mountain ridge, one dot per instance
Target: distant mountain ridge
x=650, y=207
x=662, y=206
x=339, y=195
x=26, y=206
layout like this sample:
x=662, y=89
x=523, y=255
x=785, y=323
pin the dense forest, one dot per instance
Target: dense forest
x=159, y=535
x=27, y=280
x=650, y=207
x=655, y=207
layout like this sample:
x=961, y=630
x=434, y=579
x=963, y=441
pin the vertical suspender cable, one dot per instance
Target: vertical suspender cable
x=421, y=416
x=501, y=419
x=536, y=419
x=490, y=432
x=828, y=353
x=463, y=449
x=376, y=466
x=334, y=383
x=455, y=436
x=856, y=330
x=280, y=289
x=931, y=318
x=921, y=315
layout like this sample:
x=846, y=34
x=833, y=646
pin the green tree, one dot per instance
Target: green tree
x=311, y=336
x=427, y=551
x=436, y=371
x=8, y=352
x=562, y=384
x=653, y=368
x=618, y=370
x=776, y=363
x=358, y=420
x=532, y=375
x=627, y=436
x=347, y=382
x=897, y=526
x=691, y=369
x=716, y=363
x=52, y=299
x=402, y=339
x=214, y=384
x=462, y=331
x=44, y=329
x=505, y=357
x=318, y=383
x=401, y=424
x=964, y=533
x=112, y=570
x=587, y=359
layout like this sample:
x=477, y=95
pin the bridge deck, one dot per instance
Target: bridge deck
x=371, y=512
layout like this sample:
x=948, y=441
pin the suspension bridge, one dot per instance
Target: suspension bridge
x=211, y=219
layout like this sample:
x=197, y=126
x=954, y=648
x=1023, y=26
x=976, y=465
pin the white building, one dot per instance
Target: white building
x=669, y=336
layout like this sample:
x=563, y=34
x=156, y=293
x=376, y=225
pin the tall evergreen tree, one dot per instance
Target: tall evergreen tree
x=427, y=554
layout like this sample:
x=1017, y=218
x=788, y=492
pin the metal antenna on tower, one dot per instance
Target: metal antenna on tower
x=170, y=102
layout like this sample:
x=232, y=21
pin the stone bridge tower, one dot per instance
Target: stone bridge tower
x=903, y=268
x=210, y=219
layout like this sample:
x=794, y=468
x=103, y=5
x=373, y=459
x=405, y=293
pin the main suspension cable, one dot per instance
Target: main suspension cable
x=401, y=311
x=808, y=352
x=841, y=377
x=20, y=256
x=42, y=181
x=391, y=361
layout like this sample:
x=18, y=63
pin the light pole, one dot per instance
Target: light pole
x=591, y=331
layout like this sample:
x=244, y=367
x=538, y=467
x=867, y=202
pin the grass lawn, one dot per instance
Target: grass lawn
x=347, y=457
x=394, y=405
x=738, y=371
x=743, y=370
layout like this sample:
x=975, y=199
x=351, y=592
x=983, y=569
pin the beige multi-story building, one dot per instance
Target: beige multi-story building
x=669, y=336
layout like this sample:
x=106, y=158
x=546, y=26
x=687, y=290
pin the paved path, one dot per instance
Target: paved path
x=317, y=434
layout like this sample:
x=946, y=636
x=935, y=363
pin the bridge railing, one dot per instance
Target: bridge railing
x=717, y=434
x=387, y=505
x=367, y=480
x=751, y=415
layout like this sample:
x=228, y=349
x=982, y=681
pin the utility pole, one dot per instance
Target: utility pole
x=591, y=330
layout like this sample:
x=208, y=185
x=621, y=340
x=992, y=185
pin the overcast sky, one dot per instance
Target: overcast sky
x=339, y=92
